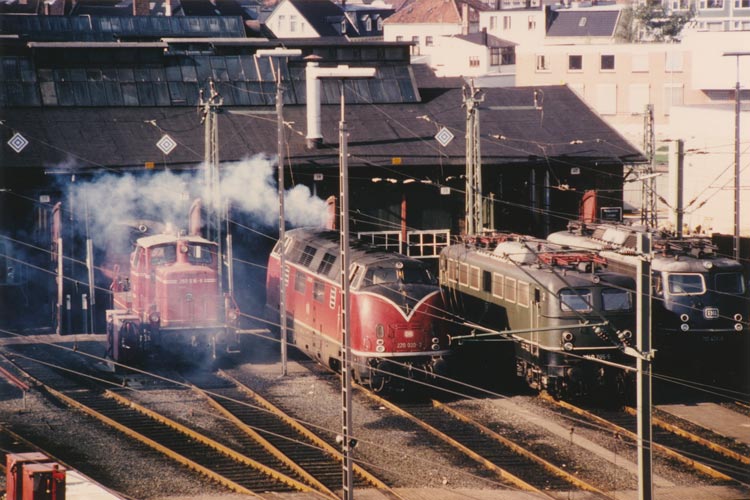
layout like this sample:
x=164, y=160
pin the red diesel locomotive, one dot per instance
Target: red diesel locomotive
x=397, y=327
x=171, y=296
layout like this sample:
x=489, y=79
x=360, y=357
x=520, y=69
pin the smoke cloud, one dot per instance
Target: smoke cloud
x=161, y=201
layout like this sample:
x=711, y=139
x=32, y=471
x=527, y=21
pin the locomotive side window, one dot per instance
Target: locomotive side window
x=318, y=290
x=300, y=281
x=380, y=275
x=616, y=300
x=685, y=284
x=730, y=283
x=474, y=278
x=199, y=254
x=497, y=285
x=463, y=274
x=452, y=271
x=578, y=299
x=165, y=254
x=417, y=275
x=510, y=289
x=523, y=294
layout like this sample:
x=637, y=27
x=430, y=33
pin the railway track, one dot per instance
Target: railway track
x=223, y=464
x=511, y=461
x=308, y=455
x=697, y=452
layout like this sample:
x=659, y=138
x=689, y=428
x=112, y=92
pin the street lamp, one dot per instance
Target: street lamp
x=277, y=54
x=737, y=55
x=343, y=73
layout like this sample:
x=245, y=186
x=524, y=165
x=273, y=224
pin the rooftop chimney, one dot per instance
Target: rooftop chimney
x=140, y=8
x=464, y=19
x=314, y=135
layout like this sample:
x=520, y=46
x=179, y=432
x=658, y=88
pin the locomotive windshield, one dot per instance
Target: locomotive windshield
x=730, y=283
x=686, y=284
x=578, y=299
x=397, y=272
x=199, y=254
x=163, y=255
x=616, y=300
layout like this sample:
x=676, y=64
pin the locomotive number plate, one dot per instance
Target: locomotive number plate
x=711, y=313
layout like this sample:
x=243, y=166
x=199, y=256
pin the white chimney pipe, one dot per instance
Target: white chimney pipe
x=314, y=135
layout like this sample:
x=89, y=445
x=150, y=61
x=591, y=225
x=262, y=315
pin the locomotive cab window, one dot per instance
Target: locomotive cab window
x=578, y=299
x=730, y=283
x=399, y=273
x=163, y=255
x=616, y=300
x=685, y=284
x=199, y=254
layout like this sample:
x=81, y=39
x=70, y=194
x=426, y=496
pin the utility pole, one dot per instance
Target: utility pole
x=343, y=73
x=474, y=216
x=643, y=366
x=648, y=184
x=737, y=56
x=278, y=53
x=210, y=109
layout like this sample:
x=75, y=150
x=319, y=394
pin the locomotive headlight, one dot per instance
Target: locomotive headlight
x=379, y=342
x=435, y=347
x=684, y=318
x=408, y=334
x=380, y=348
x=568, y=346
x=233, y=315
x=738, y=317
x=435, y=340
x=379, y=331
x=738, y=327
x=154, y=317
x=684, y=327
x=708, y=264
x=567, y=336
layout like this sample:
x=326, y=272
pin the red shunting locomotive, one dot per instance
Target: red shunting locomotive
x=397, y=324
x=172, y=297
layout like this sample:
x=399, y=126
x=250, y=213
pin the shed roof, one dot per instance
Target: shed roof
x=565, y=129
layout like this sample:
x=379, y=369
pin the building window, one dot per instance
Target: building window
x=712, y=4
x=742, y=4
x=575, y=63
x=680, y=5
x=428, y=41
x=506, y=22
x=495, y=56
x=493, y=23
x=673, y=62
x=343, y=26
x=532, y=23
x=415, y=47
x=399, y=38
x=607, y=62
x=508, y=55
x=282, y=20
x=639, y=63
x=638, y=97
x=380, y=24
x=673, y=96
x=292, y=23
x=368, y=24
x=542, y=63
x=473, y=61
x=606, y=98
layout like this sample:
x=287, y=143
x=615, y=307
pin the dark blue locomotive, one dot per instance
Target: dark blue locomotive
x=567, y=319
x=700, y=303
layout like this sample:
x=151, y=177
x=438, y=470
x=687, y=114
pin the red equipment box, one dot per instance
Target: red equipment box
x=14, y=471
x=43, y=482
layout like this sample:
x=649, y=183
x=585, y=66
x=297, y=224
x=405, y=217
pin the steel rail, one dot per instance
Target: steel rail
x=273, y=450
x=304, y=431
x=694, y=438
x=656, y=446
x=521, y=450
x=150, y=442
x=211, y=443
x=502, y=473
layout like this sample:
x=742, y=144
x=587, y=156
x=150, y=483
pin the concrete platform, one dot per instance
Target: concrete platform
x=711, y=416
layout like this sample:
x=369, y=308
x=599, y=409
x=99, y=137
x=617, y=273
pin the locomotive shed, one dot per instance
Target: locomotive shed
x=408, y=459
